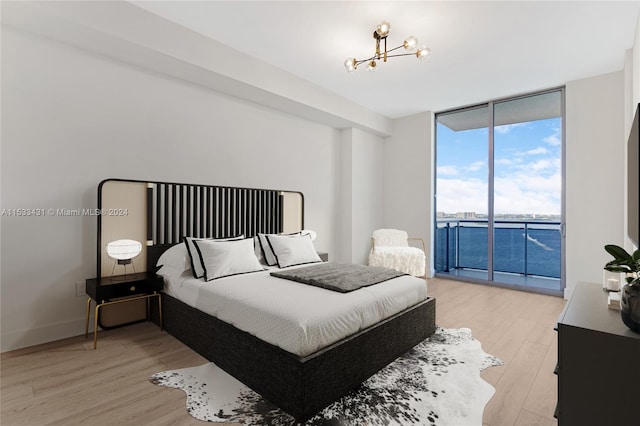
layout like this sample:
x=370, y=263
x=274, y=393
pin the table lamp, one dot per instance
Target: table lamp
x=123, y=251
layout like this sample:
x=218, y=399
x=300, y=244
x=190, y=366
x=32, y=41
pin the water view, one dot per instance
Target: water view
x=529, y=248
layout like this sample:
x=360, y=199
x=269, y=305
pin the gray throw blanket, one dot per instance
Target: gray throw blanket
x=339, y=277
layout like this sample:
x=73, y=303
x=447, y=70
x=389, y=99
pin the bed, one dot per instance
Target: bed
x=299, y=381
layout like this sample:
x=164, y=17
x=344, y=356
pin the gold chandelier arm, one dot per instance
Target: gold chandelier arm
x=402, y=54
x=385, y=49
x=395, y=48
x=362, y=61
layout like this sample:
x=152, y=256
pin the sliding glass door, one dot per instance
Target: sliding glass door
x=499, y=192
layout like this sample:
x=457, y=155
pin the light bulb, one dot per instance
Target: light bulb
x=383, y=28
x=372, y=66
x=423, y=53
x=410, y=43
x=350, y=64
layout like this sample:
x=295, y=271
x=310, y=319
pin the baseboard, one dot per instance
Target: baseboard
x=34, y=336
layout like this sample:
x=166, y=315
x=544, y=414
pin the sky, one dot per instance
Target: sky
x=528, y=174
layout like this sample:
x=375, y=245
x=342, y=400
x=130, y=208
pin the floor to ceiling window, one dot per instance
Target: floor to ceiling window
x=499, y=192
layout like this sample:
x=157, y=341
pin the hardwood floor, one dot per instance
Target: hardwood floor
x=68, y=383
x=517, y=327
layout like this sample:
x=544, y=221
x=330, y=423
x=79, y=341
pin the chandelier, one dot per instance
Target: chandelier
x=380, y=35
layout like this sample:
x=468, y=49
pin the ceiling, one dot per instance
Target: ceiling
x=480, y=50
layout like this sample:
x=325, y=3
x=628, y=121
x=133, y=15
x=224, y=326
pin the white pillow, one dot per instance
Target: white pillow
x=267, y=251
x=169, y=272
x=175, y=258
x=258, y=250
x=196, y=263
x=293, y=250
x=269, y=258
x=225, y=258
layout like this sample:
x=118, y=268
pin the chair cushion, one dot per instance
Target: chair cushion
x=411, y=260
x=390, y=237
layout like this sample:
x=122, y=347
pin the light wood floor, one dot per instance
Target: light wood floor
x=68, y=383
x=518, y=328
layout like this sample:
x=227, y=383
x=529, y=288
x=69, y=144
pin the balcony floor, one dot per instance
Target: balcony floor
x=528, y=282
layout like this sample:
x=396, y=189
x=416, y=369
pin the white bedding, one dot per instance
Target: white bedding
x=296, y=317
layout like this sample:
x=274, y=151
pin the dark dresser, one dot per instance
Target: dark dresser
x=598, y=363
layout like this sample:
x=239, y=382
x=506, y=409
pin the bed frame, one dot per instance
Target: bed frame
x=301, y=386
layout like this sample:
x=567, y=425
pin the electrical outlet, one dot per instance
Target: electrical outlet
x=80, y=289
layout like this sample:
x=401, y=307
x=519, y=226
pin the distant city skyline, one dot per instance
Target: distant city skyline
x=516, y=216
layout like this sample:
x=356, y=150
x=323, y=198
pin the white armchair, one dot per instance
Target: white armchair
x=390, y=248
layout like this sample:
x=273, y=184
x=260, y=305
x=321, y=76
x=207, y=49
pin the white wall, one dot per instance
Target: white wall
x=631, y=100
x=635, y=87
x=408, y=186
x=361, y=209
x=595, y=174
x=632, y=79
x=72, y=118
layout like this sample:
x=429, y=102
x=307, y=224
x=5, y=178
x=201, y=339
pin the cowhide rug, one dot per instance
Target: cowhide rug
x=436, y=383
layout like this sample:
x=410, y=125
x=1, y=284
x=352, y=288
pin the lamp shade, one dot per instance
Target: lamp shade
x=383, y=28
x=350, y=64
x=410, y=43
x=423, y=53
x=123, y=249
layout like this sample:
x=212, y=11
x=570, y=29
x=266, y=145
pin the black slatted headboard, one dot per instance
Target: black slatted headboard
x=179, y=210
x=176, y=210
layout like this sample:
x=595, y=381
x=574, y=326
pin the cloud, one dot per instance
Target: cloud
x=517, y=193
x=554, y=139
x=538, y=151
x=511, y=163
x=543, y=165
x=461, y=195
x=447, y=171
x=506, y=128
x=456, y=170
x=475, y=166
x=523, y=193
x=541, y=150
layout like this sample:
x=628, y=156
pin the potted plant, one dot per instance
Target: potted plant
x=628, y=264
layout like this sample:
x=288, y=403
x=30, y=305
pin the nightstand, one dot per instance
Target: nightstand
x=119, y=289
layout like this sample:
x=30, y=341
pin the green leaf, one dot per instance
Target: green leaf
x=618, y=252
x=624, y=269
x=622, y=263
x=636, y=255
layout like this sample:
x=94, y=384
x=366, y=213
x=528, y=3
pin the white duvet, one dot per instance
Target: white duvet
x=296, y=317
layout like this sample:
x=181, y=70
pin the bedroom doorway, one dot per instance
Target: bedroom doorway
x=499, y=193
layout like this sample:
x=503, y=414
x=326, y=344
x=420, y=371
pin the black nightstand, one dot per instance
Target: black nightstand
x=121, y=288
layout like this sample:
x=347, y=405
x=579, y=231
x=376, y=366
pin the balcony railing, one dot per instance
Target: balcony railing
x=520, y=247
